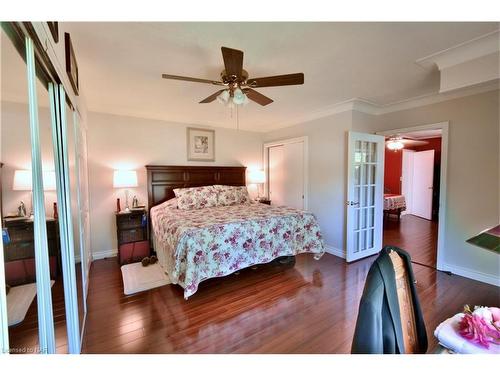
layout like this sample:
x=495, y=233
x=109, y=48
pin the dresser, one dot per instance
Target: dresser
x=19, y=253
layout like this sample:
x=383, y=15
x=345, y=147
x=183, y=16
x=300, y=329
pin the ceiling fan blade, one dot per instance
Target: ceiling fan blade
x=233, y=61
x=257, y=97
x=191, y=79
x=212, y=97
x=282, y=80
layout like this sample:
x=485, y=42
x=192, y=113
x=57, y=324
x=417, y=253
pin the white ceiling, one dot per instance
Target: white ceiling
x=120, y=65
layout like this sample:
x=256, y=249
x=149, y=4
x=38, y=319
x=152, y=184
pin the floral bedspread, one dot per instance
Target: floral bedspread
x=394, y=201
x=195, y=245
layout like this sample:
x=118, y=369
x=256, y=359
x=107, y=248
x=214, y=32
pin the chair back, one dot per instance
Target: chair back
x=406, y=308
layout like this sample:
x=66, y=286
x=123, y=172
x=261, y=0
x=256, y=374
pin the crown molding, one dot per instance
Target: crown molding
x=472, y=49
x=373, y=108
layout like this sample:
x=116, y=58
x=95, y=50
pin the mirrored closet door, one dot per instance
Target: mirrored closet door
x=30, y=243
x=43, y=204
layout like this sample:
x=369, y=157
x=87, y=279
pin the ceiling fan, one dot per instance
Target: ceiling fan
x=397, y=142
x=238, y=87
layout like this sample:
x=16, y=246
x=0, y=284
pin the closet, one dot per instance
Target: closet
x=44, y=193
x=286, y=172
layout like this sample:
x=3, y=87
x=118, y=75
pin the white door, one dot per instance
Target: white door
x=276, y=184
x=293, y=178
x=286, y=175
x=407, y=178
x=365, y=194
x=423, y=176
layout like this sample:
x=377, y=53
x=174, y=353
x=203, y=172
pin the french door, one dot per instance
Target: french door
x=364, y=206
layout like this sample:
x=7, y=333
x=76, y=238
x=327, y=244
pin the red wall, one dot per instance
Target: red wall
x=394, y=164
x=393, y=169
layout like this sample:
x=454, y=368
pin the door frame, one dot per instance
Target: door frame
x=268, y=145
x=444, y=127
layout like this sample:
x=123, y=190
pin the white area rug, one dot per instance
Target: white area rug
x=137, y=278
x=19, y=301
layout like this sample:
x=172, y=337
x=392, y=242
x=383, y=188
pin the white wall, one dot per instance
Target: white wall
x=473, y=174
x=327, y=171
x=119, y=142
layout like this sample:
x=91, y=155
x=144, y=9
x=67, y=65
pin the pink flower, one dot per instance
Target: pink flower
x=476, y=329
x=495, y=313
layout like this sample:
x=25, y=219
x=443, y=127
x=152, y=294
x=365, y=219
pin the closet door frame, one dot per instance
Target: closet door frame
x=305, y=141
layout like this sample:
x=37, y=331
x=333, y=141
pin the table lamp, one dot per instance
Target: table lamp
x=257, y=177
x=23, y=182
x=125, y=179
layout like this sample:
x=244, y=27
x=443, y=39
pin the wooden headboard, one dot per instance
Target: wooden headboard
x=163, y=179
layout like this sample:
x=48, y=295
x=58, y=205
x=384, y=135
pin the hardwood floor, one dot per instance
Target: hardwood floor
x=23, y=337
x=311, y=308
x=415, y=235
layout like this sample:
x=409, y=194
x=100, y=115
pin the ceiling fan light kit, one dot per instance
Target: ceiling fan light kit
x=395, y=144
x=239, y=88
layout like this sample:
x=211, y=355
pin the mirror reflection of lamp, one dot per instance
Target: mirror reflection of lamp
x=125, y=179
x=257, y=177
x=23, y=182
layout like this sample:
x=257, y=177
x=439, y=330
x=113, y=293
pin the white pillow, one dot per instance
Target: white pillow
x=196, y=197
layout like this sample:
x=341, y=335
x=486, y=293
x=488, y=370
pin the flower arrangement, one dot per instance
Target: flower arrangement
x=481, y=325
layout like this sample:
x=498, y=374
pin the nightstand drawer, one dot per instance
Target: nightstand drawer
x=130, y=235
x=20, y=233
x=129, y=221
x=19, y=250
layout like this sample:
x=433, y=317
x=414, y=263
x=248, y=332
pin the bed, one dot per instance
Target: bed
x=196, y=245
x=394, y=203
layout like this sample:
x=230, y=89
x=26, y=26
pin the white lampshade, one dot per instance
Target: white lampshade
x=23, y=181
x=239, y=96
x=49, y=180
x=223, y=97
x=256, y=176
x=124, y=179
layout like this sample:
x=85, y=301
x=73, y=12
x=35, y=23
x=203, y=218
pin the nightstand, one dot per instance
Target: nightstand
x=265, y=201
x=129, y=228
x=19, y=253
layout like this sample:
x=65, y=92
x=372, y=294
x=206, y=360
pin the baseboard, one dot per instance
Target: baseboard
x=334, y=251
x=104, y=254
x=472, y=274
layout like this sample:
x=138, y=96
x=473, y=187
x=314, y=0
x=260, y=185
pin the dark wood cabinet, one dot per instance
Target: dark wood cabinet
x=265, y=201
x=130, y=228
x=19, y=253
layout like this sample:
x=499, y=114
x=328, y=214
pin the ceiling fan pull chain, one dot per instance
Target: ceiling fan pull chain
x=237, y=119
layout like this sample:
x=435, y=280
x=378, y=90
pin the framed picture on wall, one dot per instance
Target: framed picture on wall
x=71, y=65
x=200, y=144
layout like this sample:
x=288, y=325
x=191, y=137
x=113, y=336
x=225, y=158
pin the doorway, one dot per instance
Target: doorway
x=285, y=164
x=413, y=190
